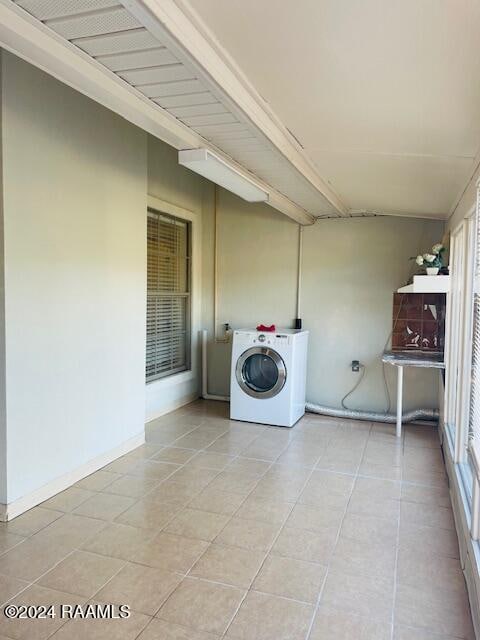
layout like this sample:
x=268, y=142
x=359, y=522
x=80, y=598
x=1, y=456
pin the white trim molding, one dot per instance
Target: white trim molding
x=30, y=39
x=462, y=469
x=213, y=65
x=19, y=506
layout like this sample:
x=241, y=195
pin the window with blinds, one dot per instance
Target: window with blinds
x=474, y=413
x=168, y=295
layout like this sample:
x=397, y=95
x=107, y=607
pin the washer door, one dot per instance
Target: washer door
x=261, y=372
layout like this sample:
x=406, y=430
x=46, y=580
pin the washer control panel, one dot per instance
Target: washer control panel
x=264, y=339
x=272, y=339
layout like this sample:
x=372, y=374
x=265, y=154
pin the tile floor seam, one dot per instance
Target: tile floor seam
x=64, y=621
x=27, y=586
x=213, y=542
x=265, y=557
x=152, y=618
x=30, y=535
x=187, y=433
x=317, y=605
x=169, y=477
x=187, y=574
x=167, y=597
x=320, y=595
x=136, y=498
x=190, y=577
x=36, y=583
x=79, y=548
x=70, y=487
x=105, y=487
x=273, y=463
x=125, y=562
x=144, y=627
x=33, y=582
x=267, y=593
x=187, y=504
x=14, y=546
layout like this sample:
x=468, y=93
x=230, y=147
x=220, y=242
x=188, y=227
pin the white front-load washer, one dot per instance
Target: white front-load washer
x=268, y=376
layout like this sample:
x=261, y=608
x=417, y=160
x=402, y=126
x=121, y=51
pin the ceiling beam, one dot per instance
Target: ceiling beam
x=31, y=40
x=188, y=42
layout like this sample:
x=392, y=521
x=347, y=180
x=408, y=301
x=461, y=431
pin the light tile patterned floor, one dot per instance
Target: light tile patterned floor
x=216, y=529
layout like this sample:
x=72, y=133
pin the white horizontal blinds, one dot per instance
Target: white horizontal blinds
x=474, y=415
x=168, y=295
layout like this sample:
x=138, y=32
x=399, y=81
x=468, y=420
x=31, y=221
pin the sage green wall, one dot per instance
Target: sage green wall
x=74, y=204
x=350, y=269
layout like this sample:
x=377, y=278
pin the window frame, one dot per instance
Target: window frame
x=458, y=335
x=474, y=453
x=156, y=206
x=458, y=351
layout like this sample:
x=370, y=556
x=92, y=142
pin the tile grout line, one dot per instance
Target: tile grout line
x=186, y=505
x=196, y=453
x=357, y=475
x=107, y=522
x=125, y=562
x=312, y=469
x=266, y=554
x=317, y=605
x=271, y=463
x=284, y=524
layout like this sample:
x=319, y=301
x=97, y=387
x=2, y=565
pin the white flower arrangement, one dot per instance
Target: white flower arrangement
x=434, y=259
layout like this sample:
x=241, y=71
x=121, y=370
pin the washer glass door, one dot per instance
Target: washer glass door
x=261, y=372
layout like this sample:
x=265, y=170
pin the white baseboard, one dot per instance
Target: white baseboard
x=19, y=506
x=172, y=406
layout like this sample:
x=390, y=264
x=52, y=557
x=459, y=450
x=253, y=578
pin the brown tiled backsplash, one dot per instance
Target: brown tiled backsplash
x=418, y=321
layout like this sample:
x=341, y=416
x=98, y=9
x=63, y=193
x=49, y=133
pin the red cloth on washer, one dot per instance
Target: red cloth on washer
x=263, y=327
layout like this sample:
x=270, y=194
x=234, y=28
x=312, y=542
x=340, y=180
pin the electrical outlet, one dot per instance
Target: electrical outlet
x=355, y=365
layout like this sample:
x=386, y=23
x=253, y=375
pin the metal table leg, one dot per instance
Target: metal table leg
x=399, y=400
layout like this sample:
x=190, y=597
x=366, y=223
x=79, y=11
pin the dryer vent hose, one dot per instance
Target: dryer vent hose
x=373, y=416
x=370, y=416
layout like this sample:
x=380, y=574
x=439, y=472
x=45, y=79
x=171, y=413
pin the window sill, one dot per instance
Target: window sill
x=174, y=379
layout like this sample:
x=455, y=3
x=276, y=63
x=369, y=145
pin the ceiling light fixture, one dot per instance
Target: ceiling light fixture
x=211, y=166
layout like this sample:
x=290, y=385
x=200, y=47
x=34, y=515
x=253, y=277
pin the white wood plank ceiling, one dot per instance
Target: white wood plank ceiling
x=151, y=62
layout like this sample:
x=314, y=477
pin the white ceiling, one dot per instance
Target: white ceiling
x=384, y=95
x=129, y=42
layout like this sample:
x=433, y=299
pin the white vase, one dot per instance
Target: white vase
x=432, y=271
